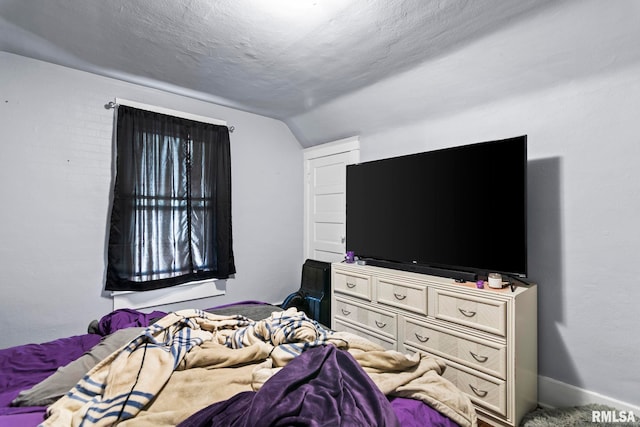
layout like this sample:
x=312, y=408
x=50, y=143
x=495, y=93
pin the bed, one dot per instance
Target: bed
x=244, y=364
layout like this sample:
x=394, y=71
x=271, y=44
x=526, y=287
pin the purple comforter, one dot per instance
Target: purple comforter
x=321, y=387
x=26, y=365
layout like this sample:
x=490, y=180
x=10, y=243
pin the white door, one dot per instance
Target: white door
x=325, y=188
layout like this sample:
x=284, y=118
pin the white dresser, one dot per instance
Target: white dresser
x=488, y=337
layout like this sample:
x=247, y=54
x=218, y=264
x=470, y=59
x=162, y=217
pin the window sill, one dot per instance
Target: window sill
x=181, y=293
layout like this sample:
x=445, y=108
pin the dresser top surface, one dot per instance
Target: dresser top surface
x=429, y=279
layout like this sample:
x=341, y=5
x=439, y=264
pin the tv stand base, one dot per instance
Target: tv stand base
x=460, y=276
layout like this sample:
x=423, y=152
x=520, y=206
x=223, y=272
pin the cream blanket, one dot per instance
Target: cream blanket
x=191, y=359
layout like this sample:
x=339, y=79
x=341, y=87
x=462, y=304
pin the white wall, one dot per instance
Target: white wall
x=584, y=202
x=55, y=169
x=579, y=101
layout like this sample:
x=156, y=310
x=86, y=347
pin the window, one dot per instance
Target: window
x=171, y=212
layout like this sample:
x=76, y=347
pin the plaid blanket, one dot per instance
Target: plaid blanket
x=290, y=332
x=124, y=383
x=190, y=359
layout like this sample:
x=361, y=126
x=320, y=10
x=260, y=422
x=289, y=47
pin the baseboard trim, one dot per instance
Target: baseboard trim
x=555, y=394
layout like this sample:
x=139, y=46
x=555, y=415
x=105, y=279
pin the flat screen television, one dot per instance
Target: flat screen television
x=457, y=212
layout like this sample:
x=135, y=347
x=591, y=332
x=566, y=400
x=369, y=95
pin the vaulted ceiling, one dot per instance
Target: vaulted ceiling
x=277, y=58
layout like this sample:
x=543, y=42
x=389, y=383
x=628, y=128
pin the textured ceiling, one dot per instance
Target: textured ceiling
x=278, y=58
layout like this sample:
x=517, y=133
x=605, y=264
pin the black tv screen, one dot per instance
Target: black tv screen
x=460, y=209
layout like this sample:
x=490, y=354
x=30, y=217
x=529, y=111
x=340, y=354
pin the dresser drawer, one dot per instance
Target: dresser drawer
x=484, y=314
x=407, y=296
x=353, y=284
x=488, y=392
x=488, y=357
x=386, y=342
x=380, y=321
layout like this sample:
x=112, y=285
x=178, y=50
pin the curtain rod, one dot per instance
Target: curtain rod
x=111, y=104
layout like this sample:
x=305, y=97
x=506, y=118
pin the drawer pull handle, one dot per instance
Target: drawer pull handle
x=479, y=358
x=467, y=313
x=479, y=393
x=345, y=312
x=421, y=338
x=380, y=324
x=399, y=297
x=351, y=285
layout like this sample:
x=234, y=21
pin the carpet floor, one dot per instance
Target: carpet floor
x=578, y=416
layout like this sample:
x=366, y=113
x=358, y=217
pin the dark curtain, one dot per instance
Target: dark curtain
x=171, y=214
